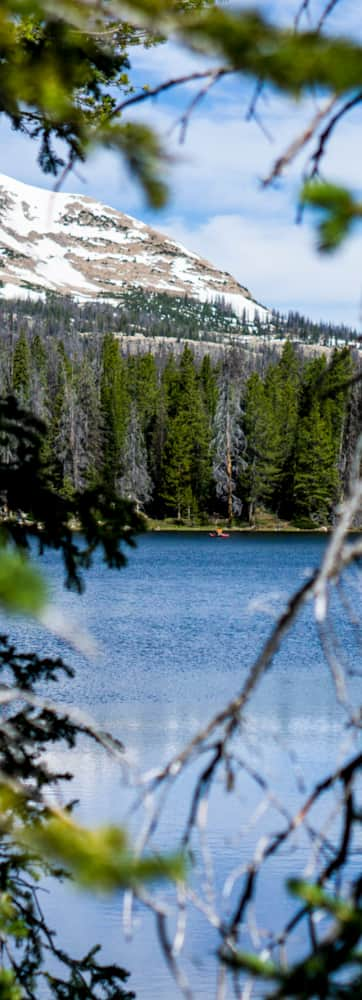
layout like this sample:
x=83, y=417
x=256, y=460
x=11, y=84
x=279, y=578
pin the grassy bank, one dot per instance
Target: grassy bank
x=264, y=521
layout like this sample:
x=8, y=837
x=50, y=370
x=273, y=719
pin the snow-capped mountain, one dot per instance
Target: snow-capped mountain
x=75, y=245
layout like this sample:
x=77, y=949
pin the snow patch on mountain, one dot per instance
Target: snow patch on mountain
x=74, y=245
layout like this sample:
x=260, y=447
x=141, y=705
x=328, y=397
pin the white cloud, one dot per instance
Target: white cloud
x=279, y=264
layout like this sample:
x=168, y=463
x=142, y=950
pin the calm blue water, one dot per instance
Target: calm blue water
x=176, y=633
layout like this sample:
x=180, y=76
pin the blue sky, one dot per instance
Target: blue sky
x=217, y=206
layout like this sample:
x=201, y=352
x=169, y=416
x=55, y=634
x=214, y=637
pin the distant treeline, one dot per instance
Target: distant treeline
x=309, y=331
x=183, y=439
x=159, y=315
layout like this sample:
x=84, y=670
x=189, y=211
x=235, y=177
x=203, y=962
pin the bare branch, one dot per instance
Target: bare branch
x=326, y=13
x=185, y=118
x=299, y=143
x=252, y=113
x=327, y=132
x=265, y=849
x=338, y=675
x=169, y=85
x=178, y=975
x=303, y=9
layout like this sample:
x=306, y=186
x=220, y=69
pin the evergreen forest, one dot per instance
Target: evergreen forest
x=185, y=437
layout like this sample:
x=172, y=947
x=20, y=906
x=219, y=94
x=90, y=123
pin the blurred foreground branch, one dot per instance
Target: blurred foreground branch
x=327, y=893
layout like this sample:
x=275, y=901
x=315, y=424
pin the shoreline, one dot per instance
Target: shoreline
x=161, y=527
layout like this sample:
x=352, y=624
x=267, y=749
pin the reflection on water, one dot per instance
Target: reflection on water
x=176, y=632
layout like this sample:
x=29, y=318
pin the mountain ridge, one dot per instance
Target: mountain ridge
x=75, y=245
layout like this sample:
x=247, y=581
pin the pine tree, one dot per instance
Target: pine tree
x=143, y=388
x=176, y=489
x=335, y=395
x=39, y=378
x=135, y=483
x=196, y=422
x=114, y=404
x=228, y=444
x=185, y=479
x=209, y=388
x=316, y=474
x=317, y=483
x=282, y=386
x=87, y=441
x=21, y=369
x=59, y=444
x=262, y=446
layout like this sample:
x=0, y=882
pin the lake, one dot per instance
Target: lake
x=176, y=633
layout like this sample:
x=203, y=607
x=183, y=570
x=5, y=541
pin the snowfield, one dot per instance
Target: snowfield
x=77, y=246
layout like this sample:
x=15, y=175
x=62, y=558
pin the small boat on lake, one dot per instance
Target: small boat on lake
x=219, y=533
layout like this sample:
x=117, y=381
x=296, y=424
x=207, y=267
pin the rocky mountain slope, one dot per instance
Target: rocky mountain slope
x=77, y=246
